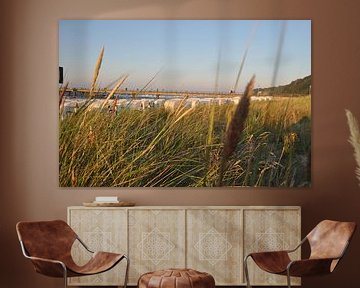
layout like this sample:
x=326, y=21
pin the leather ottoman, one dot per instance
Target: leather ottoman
x=176, y=278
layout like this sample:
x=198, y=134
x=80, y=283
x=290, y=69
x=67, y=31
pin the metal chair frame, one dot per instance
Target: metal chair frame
x=288, y=276
x=23, y=249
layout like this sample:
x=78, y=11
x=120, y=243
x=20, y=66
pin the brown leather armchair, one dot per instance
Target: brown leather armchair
x=328, y=242
x=48, y=245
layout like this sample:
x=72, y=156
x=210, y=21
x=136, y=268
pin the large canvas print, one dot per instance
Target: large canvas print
x=184, y=103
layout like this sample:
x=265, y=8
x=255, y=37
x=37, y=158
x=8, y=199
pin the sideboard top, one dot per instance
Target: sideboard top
x=193, y=207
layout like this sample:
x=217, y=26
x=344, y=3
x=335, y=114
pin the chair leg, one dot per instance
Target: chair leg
x=246, y=270
x=127, y=271
x=65, y=276
x=288, y=279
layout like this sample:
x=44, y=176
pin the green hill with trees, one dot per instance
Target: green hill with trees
x=297, y=87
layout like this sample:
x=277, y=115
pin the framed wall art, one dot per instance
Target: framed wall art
x=184, y=103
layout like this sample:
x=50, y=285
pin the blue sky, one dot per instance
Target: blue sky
x=187, y=52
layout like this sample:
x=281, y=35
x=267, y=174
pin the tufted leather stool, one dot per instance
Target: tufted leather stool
x=176, y=278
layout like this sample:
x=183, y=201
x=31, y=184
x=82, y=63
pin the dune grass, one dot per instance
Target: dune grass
x=249, y=144
x=354, y=140
x=157, y=148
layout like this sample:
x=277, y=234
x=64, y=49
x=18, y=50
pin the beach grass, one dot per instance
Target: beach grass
x=156, y=147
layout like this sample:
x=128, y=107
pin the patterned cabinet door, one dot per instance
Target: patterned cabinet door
x=270, y=230
x=101, y=230
x=156, y=240
x=214, y=244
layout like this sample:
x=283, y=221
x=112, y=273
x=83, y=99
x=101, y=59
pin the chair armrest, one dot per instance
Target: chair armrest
x=298, y=246
x=46, y=260
x=48, y=267
x=84, y=245
x=309, y=267
x=271, y=261
x=268, y=253
x=281, y=251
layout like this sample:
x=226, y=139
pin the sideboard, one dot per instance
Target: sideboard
x=211, y=239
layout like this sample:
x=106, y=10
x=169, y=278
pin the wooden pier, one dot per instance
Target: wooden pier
x=138, y=93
